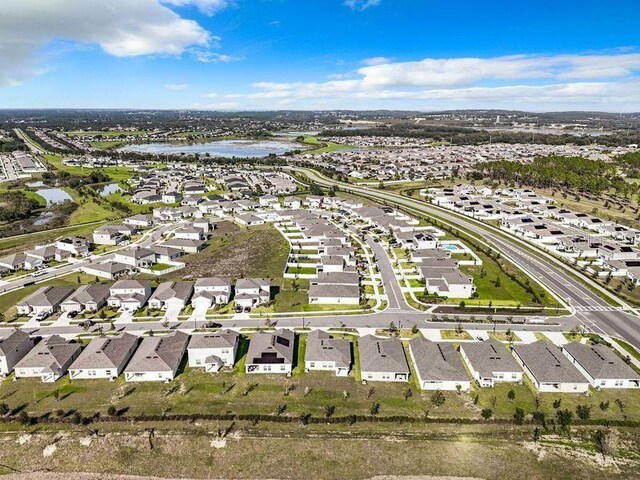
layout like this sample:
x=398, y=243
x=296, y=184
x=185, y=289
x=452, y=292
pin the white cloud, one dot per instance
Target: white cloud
x=376, y=61
x=208, y=7
x=608, y=82
x=122, y=28
x=206, y=56
x=361, y=5
x=176, y=86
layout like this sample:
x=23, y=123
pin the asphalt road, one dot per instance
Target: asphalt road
x=591, y=310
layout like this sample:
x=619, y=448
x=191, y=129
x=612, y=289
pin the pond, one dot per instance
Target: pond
x=222, y=148
x=54, y=195
x=109, y=189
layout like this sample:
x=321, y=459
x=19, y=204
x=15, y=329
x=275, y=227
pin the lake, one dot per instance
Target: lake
x=222, y=148
x=109, y=189
x=54, y=195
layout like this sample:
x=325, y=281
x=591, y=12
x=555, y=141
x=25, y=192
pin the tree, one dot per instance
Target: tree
x=486, y=413
x=438, y=398
x=565, y=418
x=375, y=408
x=407, y=394
x=329, y=410
x=511, y=395
x=606, y=442
x=518, y=416
x=583, y=412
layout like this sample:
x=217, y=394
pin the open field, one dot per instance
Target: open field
x=22, y=242
x=318, y=451
x=117, y=174
x=236, y=251
x=323, y=146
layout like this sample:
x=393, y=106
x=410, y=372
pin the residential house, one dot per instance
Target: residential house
x=549, y=369
x=135, y=257
x=49, y=359
x=171, y=295
x=210, y=291
x=490, y=362
x=129, y=295
x=77, y=246
x=104, y=357
x=212, y=351
x=157, y=359
x=324, y=352
x=90, y=298
x=44, y=301
x=438, y=365
x=601, y=366
x=251, y=292
x=271, y=352
x=12, y=349
x=382, y=359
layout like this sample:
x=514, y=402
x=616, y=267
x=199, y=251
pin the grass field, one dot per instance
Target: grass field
x=117, y=174
x=107, y=144
x=236, y=252
x=108, y=133
x=318, y=451
x=323, y=146
x=22, y=242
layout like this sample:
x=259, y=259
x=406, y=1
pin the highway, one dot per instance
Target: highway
x=591, y=310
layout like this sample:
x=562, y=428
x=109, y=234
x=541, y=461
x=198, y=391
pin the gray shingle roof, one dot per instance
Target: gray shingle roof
x=159, y=354
x=489, y=357
x=50, y=296
x=382, y=355
x=547, y=364
x=323, y=347
x=89, y=293
x=600, y=361
x=223, y=339
x=334, y=291
x=437, y=361
x=271, y=347
x=169, y=290
x=51, y=352
x=13, y=341
x=105, y=352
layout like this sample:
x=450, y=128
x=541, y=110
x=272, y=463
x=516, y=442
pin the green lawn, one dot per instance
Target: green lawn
x=107, y=144
x=117, y=174
x=22, y=242
x=322, y=146
x=453, y=335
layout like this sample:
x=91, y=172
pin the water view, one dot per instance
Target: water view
x=54, y=195
x=222, y=148
x=109, y=189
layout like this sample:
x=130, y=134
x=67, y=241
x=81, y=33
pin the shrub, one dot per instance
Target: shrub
x=486, y=413
x=438, y=398
x=518, y=416
x=375, y=408
x=583, y=411
x=329, y=410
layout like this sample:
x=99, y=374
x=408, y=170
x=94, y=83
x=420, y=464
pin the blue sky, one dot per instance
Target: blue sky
x=320, y=54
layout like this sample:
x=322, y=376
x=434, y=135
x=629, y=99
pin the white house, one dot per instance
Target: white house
x=211, y=290
x=327, y=353
x=157, y=359
x=601, y=366
x=212, y=351
x=438, y=366
x=129, y=295
x=271, y=352
x=12, y=349
x=382, y=359
x=49, y=359
x=171, y=295
x=251, y=292
x=549, y=369
x=104, y=357
x=489, y=362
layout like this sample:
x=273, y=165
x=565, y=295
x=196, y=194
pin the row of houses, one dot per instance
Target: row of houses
x=438, y=366
x=131, y=295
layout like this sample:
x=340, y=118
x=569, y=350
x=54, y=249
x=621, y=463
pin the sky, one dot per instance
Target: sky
x=424, y=55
